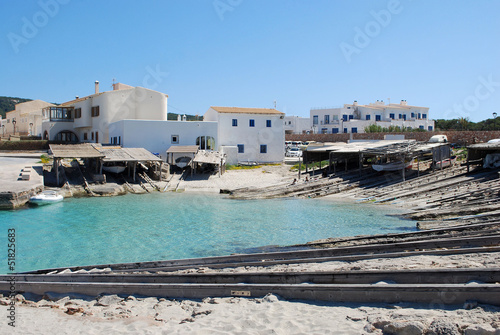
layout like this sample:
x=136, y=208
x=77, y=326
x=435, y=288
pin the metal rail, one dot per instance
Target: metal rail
x=436, y=294
x=427, y=276
x=314, y=255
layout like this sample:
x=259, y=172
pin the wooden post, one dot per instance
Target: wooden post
x=300, y=167
x=360, y=162
x=56, y=163
x=135, y=165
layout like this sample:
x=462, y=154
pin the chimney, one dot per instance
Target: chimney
x=96, y=87
x=355, y=103
x=77, y=97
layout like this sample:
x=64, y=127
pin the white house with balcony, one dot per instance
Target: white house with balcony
x=88, y=119
x=353, y=118
x=249, y=135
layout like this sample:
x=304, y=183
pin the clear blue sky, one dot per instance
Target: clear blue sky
x=441, y=54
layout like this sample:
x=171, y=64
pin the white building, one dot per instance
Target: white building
x=26, y=118
x=87, y=119
x=353, y=118
x=249, y=134
x=159, y=136
x=297, y=125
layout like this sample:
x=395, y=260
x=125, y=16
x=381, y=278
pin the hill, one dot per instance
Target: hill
x=8, y=104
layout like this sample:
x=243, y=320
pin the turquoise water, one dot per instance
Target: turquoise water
x=87, y=231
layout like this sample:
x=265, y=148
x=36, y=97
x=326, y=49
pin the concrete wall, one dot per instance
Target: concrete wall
x=459, y=137
x=156, y=136
x=253, y=137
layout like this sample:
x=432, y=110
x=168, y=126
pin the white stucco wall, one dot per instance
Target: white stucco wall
x=251, y=137
x=296, y=124
x=133, y=103
x=419, y=119
x=156, y=136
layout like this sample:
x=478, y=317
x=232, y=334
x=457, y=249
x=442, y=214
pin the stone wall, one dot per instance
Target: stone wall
x=459, y=137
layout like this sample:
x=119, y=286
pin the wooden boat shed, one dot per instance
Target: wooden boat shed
x=89, y=151
x=197, y=156
x=68, y=151
x=129, y=156
x=476, y=153
x=358, y=150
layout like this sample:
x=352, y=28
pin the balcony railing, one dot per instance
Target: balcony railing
x=58, y=114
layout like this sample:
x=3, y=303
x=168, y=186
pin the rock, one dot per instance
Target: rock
x=483, y=329
x=470, y=304
x=108, y=300
x=270, y=298
x=20, y=298
x=404, y=328
x=442, y=327
x=377, y=323
x=72, y=310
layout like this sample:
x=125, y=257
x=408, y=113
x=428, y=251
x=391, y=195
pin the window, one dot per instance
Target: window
x=175, y=139
x=268, y=123
x=335, y=130
x=241, y=148
x=429, y=128
x=424, y=116
x=412, y=115
x=391, y=116
x=345, y=130
x=92, y=135
x=252, y=123
x=315, y=119
x=367, y=117
x=400, y=116
x=95, y=111
x=378, y=117
x=351, y=117
x=263, y=148
x=119, y=140
x=327, y=119
x=324, y=130
x=404, y=117
x=235, y=122
x=85, y=136
x=354, y=130
x=344, y=117
x=205, y=142
x=419, y=116
x=66, y=136
x=78, y=113
x=96, y=137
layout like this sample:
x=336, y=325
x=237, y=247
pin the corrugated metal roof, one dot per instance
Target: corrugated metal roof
x=244, y=110
x=82, y=150
x=183, y=149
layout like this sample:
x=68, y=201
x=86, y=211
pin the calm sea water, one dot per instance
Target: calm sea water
x=88, y=231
